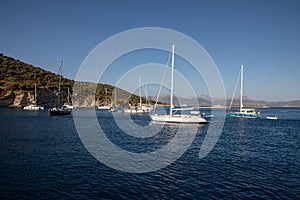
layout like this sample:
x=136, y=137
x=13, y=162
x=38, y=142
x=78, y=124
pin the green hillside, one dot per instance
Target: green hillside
x=18, y=78
x=15, y=74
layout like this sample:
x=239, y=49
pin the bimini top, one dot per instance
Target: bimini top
x=248, y=110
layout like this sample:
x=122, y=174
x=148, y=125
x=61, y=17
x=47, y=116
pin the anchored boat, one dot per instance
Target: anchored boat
x=194, y=117
x=34, y=106
x=60, y=110
x=272, y=117
x=243, y=112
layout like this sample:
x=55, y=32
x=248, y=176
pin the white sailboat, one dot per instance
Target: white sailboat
x=105, y=106
x=68, y=104
x=114, y=107
x=194, y=117
x=60, y=110
x=34, y=106
x=243, y=112
x=140, y=108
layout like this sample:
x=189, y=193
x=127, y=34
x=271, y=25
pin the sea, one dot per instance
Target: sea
x=49, y=157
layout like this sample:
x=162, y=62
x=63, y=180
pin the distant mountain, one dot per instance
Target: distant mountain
x=17, y=80
x=294, y=103
x=204, y=101
x=200, y=101
x=260, y=103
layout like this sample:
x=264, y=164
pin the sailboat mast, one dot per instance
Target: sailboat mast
x=115, y=101
x=172, y=80
x=68, y=96
x=35, y=99
x=242, y=80
x=140, y=92
x=59, y=73
x=146, y=95
x=105, y=97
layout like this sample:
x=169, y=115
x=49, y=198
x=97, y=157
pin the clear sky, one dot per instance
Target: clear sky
x=261, y=34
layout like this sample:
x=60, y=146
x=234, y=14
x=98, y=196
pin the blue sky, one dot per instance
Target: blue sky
x=261, y=34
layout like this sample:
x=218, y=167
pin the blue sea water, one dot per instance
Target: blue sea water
x=43, y=157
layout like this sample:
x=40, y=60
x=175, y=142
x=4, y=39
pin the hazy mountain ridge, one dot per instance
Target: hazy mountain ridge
x=204, y=101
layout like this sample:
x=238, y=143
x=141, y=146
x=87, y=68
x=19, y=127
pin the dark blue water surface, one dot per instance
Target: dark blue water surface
x=42, y=157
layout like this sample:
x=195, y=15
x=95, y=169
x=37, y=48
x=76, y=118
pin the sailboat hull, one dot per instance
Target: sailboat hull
x=140, y=109
x=59, y=111
x=272, y=117
x=244, y=115
x=179, y=119
x=33, y=107
x=104, y=107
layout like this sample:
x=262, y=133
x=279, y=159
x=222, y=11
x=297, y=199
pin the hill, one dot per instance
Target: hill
x=17, y=80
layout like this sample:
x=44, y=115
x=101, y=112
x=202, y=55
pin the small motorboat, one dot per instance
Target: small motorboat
x=272, y=117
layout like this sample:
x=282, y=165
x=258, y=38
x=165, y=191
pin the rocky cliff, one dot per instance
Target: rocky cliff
x=20, y=98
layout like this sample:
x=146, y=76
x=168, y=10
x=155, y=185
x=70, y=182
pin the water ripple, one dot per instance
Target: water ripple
x=42, y=157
